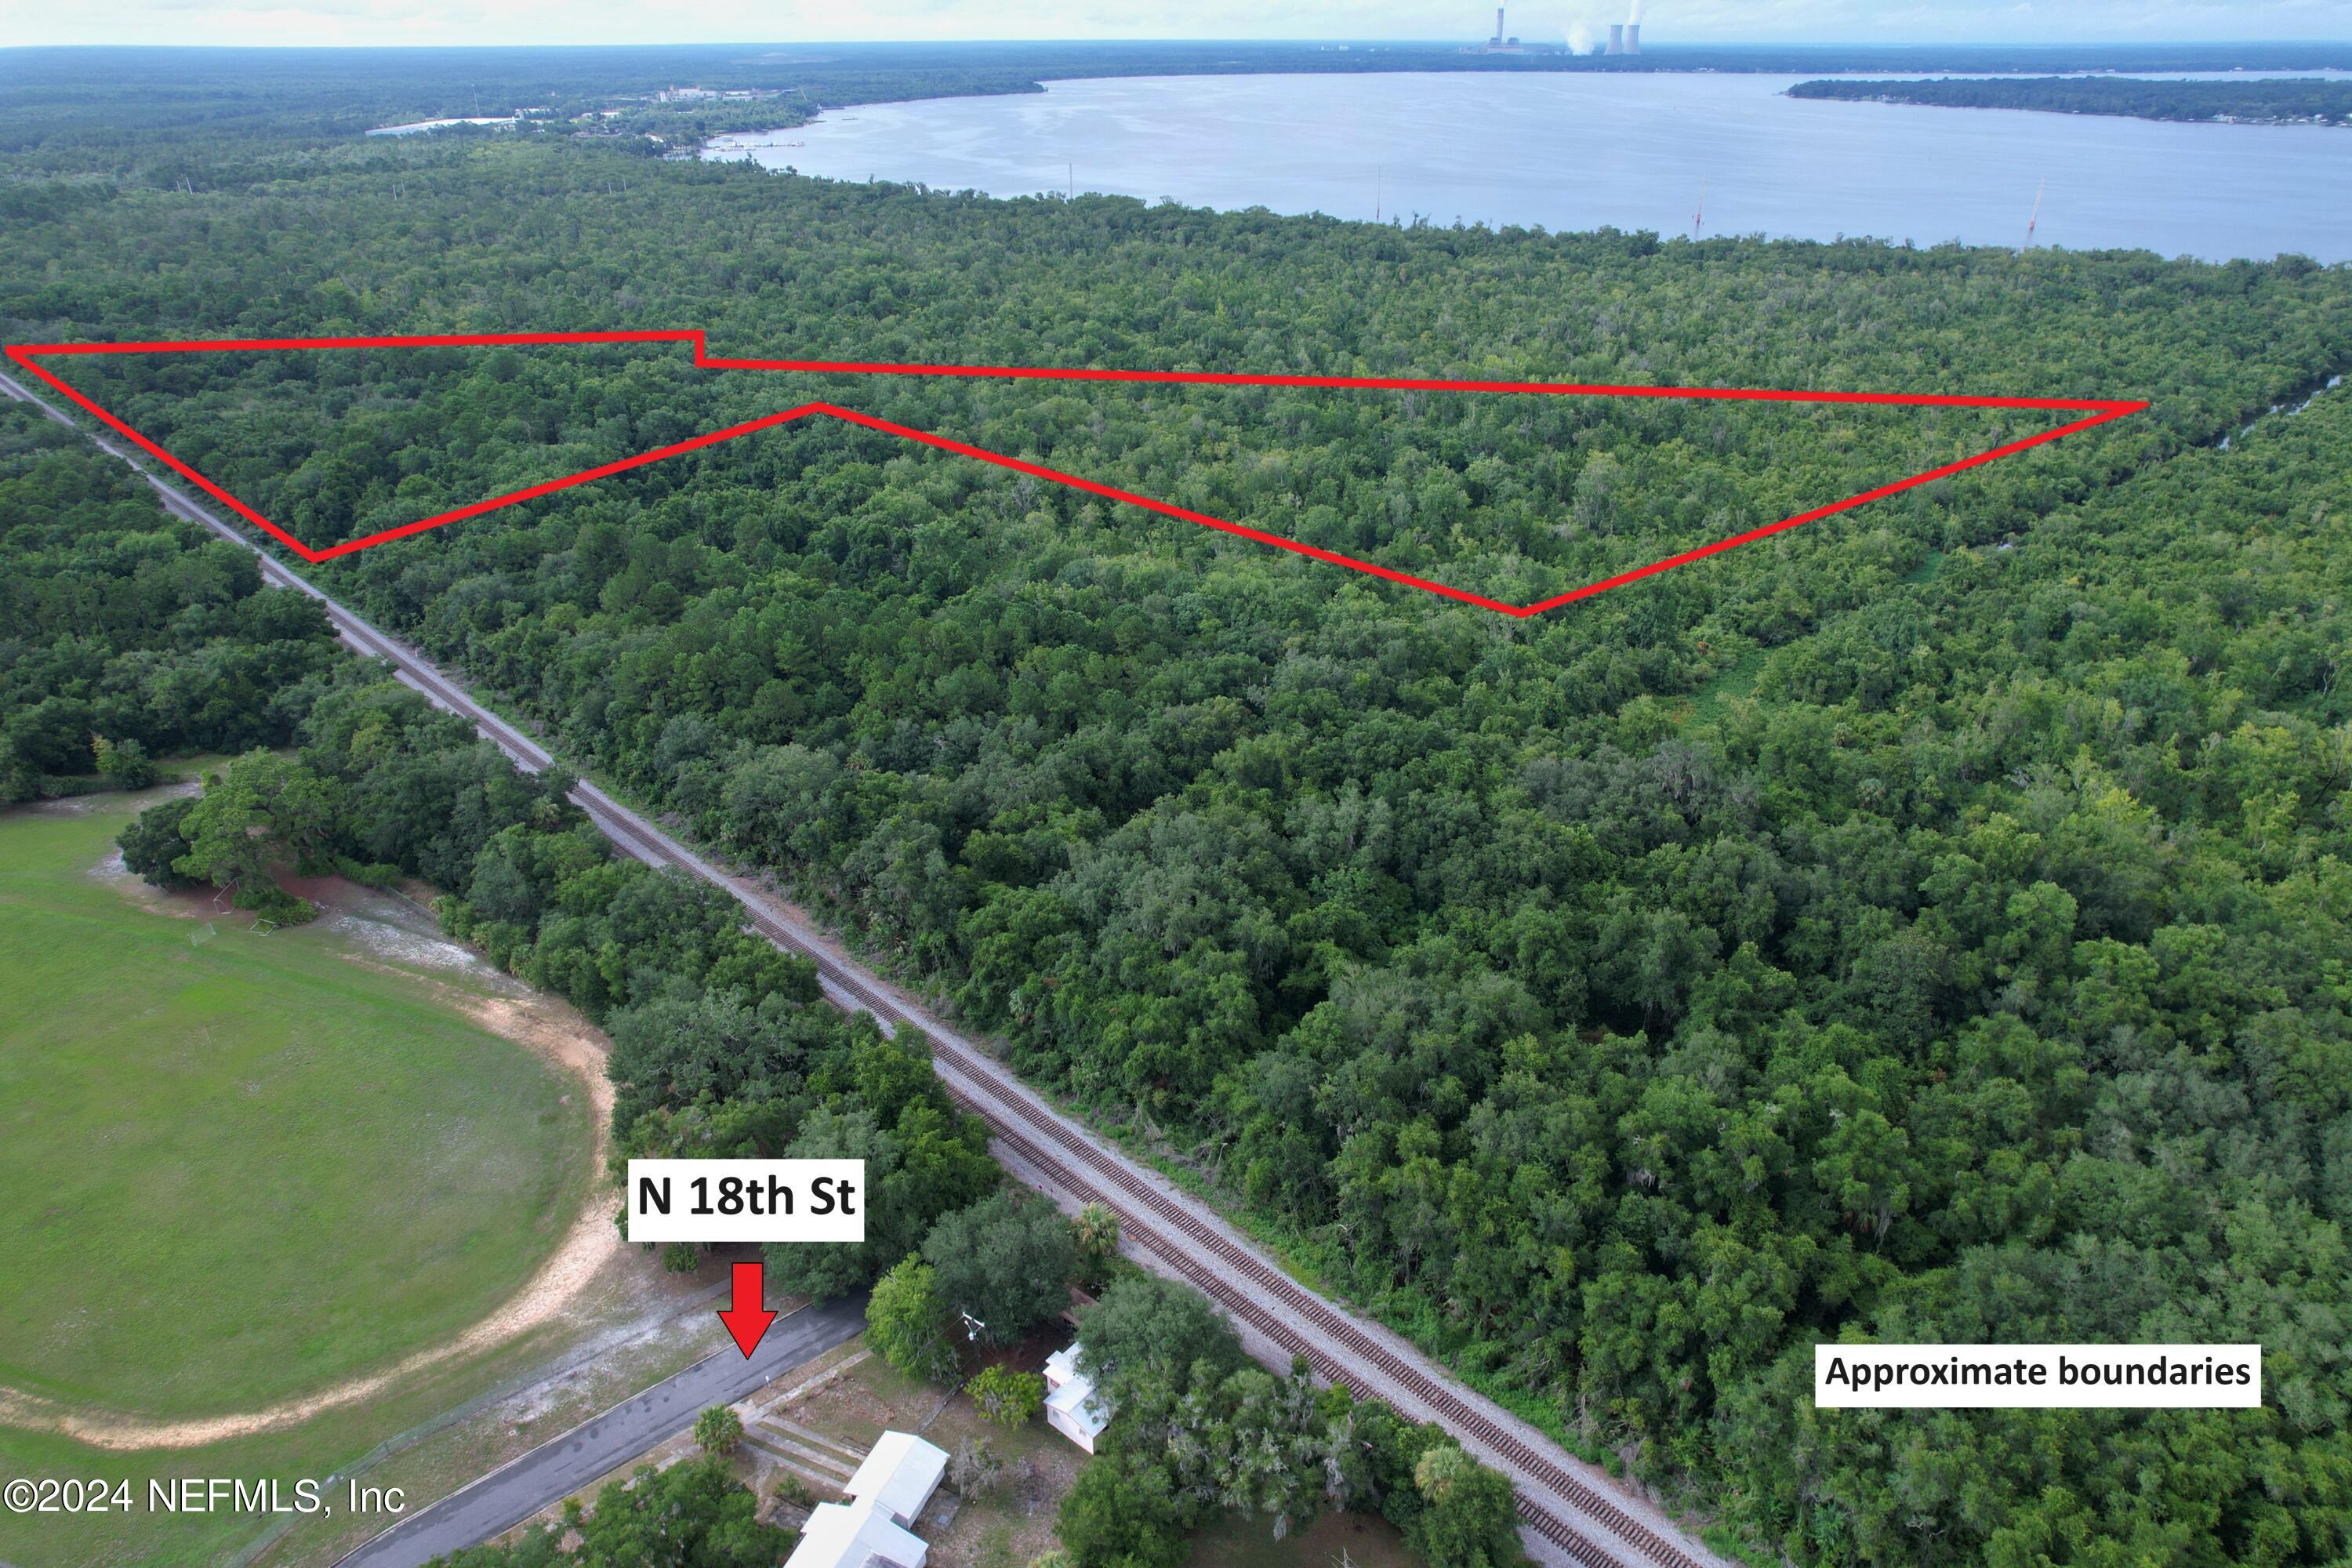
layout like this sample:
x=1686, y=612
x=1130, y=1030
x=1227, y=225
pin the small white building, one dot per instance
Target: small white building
x=1071, y=1407
x=899, y=1476
x=893, y=1483
x=856, y=1535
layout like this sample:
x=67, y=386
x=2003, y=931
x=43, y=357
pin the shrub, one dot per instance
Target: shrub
x=974, y=1470
x=906, y=1322
x=154, y=842
x=717, y=1430
x=123, y=763
x=1005, y=1397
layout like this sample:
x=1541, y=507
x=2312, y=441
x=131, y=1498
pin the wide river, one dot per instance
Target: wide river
x=1647, y=151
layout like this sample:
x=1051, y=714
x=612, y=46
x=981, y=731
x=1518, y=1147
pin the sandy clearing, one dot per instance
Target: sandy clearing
x=546, y=1028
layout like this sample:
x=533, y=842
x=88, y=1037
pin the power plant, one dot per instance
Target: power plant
x=1501, y=43
x=1625, y=37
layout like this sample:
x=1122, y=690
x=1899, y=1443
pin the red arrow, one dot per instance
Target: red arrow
x=748, y=1319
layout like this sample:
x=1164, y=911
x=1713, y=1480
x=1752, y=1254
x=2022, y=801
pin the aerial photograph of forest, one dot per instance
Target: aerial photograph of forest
x=1339, y=1072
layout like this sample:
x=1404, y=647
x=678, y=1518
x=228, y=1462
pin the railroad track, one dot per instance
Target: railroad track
x=1541, y=1520
x=1607, y=1535
x=1003, y=1106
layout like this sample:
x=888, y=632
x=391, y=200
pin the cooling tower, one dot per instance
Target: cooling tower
x=1616, y=38
x=1634, y=38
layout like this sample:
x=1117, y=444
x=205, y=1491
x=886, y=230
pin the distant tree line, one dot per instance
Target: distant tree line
x=2275, y=102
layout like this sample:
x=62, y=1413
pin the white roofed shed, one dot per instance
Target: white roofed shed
x=893, y=1483
x=1071, y=1408
x=855, y=1535
x=899, y=1476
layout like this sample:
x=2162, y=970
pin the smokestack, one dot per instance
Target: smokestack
x=1616, y=38
x=1634, y=38
x=1499, y=24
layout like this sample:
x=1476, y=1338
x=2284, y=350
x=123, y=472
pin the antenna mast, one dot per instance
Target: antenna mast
x=2031, y=222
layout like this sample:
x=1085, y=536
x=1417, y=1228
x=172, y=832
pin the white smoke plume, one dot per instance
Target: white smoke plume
x=1635, y=19
x=1581, y=40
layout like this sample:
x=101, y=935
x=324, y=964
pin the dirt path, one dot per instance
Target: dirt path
x=547, y=1028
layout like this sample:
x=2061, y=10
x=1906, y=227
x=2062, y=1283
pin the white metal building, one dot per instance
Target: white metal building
x=892, y=1485
x=855, y=1535
x=1071, y=1407
x=899, y=1476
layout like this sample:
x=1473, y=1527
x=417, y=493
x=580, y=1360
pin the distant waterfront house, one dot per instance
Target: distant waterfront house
x=1071, y=1407
x=893, y=1484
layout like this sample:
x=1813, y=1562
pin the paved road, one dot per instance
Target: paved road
x=1572, y=1511
x=561, y=1465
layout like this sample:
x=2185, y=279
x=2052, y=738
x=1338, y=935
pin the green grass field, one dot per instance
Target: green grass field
x=235, y=1172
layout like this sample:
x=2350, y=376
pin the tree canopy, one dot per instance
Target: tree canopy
x=694, y=1515
x=1145, y=1329
x=1927, y=924
x=1005, y=1264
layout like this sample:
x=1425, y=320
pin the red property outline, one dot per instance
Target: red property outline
x=2100, y=411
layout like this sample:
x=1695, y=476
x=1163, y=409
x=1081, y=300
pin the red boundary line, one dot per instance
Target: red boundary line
x=2097, y=412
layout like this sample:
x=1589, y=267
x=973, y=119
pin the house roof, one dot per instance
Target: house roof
x=852, y=1535
x=899, y=1474
x=1074, y=1392
x=1078, y=1401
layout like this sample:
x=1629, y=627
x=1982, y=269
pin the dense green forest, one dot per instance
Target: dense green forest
x=720, y=1046
x=125, y=634
x=1928, y=925
x=372, y=781
x=133, y=632
x=2278, y=102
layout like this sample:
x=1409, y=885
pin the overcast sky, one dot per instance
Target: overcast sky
x=690, y=21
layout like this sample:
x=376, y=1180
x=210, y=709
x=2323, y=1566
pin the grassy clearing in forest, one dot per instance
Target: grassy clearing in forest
x=238, y=1169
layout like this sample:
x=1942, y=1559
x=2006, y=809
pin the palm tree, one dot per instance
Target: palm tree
x=1096, y=1232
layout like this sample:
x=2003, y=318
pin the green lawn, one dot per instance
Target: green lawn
x=234, y=1171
